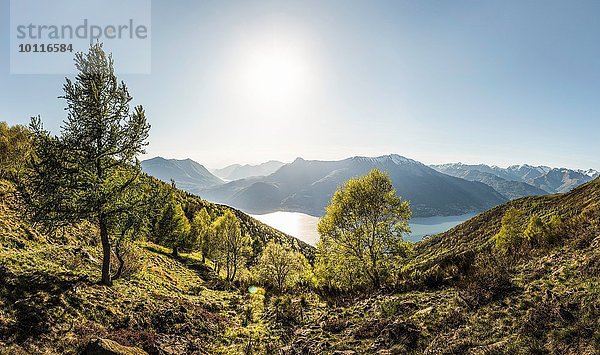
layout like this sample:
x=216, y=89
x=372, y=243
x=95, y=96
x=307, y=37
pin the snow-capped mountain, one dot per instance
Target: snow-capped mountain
x=551, y=180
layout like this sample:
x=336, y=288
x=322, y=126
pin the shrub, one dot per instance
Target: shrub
x=489, y=279
x=537, y=232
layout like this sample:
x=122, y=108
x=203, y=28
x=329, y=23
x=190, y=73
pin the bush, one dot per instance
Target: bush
x=132, y=260
x=489, y=279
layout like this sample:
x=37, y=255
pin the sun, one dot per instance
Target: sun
x=274, y=75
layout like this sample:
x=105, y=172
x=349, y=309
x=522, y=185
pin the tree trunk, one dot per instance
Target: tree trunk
x=175, y=251
x=234, y=267
x=121, y=263
x=106, y=277
x=376, y=281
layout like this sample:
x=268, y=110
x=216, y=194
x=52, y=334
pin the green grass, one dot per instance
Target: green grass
x=51, y=302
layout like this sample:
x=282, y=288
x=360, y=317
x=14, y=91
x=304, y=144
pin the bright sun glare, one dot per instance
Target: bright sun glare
x=273, y=75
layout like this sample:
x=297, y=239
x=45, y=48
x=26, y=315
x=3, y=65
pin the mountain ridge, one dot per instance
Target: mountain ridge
x=307, y=185
x=238, y=171
x=188, y=174
x=551, y=180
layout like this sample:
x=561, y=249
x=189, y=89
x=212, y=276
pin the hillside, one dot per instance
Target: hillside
x=51, y=302
x=454, y=298
x=187, y=174
x=459, y=299
x=306, y=186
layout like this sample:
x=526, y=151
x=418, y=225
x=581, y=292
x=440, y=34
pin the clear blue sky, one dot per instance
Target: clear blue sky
x=497, y=82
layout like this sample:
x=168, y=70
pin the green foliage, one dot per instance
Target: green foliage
x=282, y=268
x=173, y=228
x=510, y=237
x=537, y=232
x=84, y=173
x=541, y=233
x=202, y=233
x=362, y=233
x=232, y=247
x=556, y=228
x=15, y=150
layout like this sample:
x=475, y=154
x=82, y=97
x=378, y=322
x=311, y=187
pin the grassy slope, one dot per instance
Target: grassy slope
x=254, y=227
x=577, y=208
x=549, y=304
x=49, y=301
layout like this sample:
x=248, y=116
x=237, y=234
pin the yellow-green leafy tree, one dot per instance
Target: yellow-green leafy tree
x=233, y=246
x=362, y=233
x=282, y=267
x=537, y=232
x=202, y=233
x=15, y=150
x=510, y=237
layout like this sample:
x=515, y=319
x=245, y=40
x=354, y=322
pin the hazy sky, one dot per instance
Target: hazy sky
x=499, y=82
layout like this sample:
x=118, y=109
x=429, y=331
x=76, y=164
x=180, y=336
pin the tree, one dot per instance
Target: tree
x=15, y=150
x=202, y=233
x=362, y=230
x=76, y=175
x=537, y=232
x=510, y=236
x=281, y=267
x=173, y=228
x=556, y=229
x=133, y=221
x=233, y=245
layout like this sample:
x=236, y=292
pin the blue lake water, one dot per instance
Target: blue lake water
x=304, y=227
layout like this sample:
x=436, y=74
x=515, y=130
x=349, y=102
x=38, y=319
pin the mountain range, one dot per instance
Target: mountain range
x=237, y=171
x=307, y=185
x=520, y=180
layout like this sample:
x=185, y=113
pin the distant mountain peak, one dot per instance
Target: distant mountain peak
x=393, y=158
x=187, y=173
x=307, y=186
x=238, y=171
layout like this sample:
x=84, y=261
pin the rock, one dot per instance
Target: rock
x=109, y=347
x=424, y=311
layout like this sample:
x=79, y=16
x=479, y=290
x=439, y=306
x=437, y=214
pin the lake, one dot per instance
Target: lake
x=304, y=227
